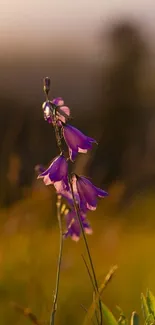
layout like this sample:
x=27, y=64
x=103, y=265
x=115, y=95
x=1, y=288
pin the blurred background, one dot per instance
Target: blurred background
x=100, y=57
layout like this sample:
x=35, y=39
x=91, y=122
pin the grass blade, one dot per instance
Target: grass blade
x=122, y=318
x=108, y=316
x=144, y=307
x=134, y=319
x=94, y=305
x=151, y=303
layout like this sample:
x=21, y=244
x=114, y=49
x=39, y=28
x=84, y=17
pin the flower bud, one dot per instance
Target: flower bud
x=46, y=85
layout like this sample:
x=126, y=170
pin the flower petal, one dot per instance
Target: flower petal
x=60, y=187
x=90, y=207
x=45, y=172
x=65, y=109
x=58, y=101
x=72, y=154
x=75, y=237
x=74, y=228
x=87, y=192
x=63, y=113
x=101, y=193
x=57, y=172
x=88, y=230
x=76, y=140
x=82, y=150
x=47, y=180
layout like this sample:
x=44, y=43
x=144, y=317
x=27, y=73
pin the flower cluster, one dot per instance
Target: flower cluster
x=85, y=193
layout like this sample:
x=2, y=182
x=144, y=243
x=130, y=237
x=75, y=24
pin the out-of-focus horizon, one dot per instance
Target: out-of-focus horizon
x=33, y=35
x=78, y=45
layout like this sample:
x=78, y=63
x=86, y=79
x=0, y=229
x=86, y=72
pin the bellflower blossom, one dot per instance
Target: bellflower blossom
x=67, y=195
x=73, y=226
x=88, y=193
x=57, y=172
x=85, y=193
x=80, y=193
x=76, y=141
x=57, y=107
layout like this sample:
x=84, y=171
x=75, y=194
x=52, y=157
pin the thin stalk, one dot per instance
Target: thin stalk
x=87, y=248
x=54, y=308
x=58, y=138
x=91, y=279
x=58, y=204
x=89, y=273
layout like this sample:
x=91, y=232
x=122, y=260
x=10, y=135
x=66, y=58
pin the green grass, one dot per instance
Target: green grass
x=29, y=242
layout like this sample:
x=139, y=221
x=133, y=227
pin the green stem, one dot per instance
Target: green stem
x=87, y=247
x=58, y=204
x=54, y=308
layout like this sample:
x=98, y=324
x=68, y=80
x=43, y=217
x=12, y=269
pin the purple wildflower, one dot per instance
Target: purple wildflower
x=88, y=193
x=58, y=101
x=47, y=109
x=73, y=226
x=67, y=195
x=76, y=141
x=56, y=173
x=61, y=112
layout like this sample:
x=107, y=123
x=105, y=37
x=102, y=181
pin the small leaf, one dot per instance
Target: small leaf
x=144, y=307
x=90, y=313
x=134, y=319
x=122, y=319
x=107, y=278
x=108, y=316
x=97, y=296
x=151, y=302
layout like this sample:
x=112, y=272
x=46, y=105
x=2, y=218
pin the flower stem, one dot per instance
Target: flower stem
x=58, y=138
x=57, y=132
x=54, y=308
x=58, y=204
x=87, y=247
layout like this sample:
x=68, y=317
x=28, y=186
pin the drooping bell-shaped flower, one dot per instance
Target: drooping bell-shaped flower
x=73, y=225
x=76, y=141
x=58, y=101
x=56, y=109
x=62, y=111
x=67, y=195
x=88, y=193
x=47, y=110
x=56, y=172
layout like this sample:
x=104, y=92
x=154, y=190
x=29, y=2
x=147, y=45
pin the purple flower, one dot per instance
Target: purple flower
x=76, y=141
x=67, y=195
x=58, y=101
x=73, y=226
x=88, y=193
x=62, y=111
x=47, y=109
x=56, y=173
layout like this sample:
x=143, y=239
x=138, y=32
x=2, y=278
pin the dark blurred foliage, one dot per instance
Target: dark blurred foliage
x=119, y=112
x=126, y=113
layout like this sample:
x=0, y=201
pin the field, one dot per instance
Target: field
x=28, y=255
